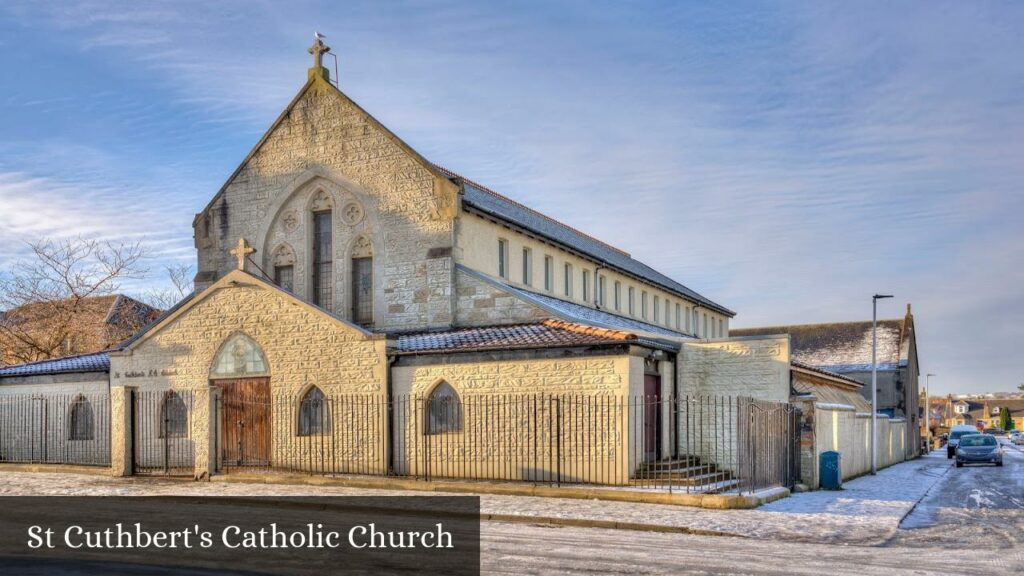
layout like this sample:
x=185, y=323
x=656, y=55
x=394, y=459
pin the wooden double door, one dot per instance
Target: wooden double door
x=245, y=422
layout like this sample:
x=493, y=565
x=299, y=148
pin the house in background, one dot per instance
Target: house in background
x=984, y=412
x=845, y=348
x=69, y=327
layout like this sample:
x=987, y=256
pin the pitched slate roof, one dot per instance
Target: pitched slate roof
x=577, y=312
x=822, y=371
x=94, y=362
x=842, y=347
x=491, y=203
x=543, y=334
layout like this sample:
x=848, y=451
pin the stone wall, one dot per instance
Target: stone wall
x=303, y=346
x=477, y=303
x=754, y=367
x=327, y=153
x=757, y=367
x=518, y=417
x=36, y=421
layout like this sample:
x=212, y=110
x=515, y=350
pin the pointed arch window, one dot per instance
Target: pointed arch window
x=80, y=422
x=284, y=267
x=444, y=410
x=239, y=356
x=322, y=208
x=173, y=416
x=362, y=281
x=314, y=413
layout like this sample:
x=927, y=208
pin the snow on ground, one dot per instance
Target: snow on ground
x=977, y=506
x=867, y=511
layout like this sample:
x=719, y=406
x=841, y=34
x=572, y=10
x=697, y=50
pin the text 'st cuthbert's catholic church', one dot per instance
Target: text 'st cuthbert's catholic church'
x=337, y=262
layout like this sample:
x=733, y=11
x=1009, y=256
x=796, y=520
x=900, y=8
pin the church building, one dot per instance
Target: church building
x=359, y=295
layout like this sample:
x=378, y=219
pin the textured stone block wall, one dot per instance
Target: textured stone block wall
x=477, y=303
x=326, y=148
x=752, y=367
x=35, y=423
x=519, y=416
x=303, y=348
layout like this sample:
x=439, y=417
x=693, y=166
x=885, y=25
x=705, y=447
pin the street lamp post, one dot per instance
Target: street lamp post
x=874, y=380
x=928, y=410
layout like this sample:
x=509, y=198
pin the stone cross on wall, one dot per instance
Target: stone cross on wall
x=318, y=49
x=242, y=252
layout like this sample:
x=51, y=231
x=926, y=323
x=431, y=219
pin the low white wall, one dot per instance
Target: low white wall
x=36, y=423
x=842, y=429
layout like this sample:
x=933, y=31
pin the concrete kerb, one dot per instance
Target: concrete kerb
x=712, y=501
x=57, y=469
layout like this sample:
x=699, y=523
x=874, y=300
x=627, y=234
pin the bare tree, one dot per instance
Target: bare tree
x=180, y=278
x=45, y=298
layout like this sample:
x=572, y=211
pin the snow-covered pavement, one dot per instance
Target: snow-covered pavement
x=866, y=512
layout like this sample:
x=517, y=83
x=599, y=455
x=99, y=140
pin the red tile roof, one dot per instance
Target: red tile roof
x=544, y=334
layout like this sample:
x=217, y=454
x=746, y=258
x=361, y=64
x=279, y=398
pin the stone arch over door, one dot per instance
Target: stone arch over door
x=241, y=370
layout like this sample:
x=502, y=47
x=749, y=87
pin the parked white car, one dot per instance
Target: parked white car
x=1017, y=438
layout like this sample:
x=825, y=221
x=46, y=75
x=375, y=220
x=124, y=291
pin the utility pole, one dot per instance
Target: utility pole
x=928, y=410
x=874, y=380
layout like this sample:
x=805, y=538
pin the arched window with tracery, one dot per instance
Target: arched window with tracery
x=362, y=281
x=284, y=267
x=314, y=413
x=173, y=416
x=444, y=410
x=323, y=250
x=80, y=421
x=239, y=357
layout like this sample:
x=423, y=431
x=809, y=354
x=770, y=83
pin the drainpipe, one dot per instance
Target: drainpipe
x=675, y=400
x=389, y=399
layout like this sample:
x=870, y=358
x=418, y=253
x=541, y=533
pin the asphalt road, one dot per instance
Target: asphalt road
x=970, y=522
x=519, y=549
x=978, y=506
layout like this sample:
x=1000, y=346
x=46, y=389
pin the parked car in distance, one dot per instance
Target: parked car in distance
x=1017, y=438
x=979, y=449
x=995, y=431
x=954, y=437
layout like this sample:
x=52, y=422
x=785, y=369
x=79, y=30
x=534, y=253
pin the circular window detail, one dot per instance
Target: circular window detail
x=352, y=214
x=290, y=221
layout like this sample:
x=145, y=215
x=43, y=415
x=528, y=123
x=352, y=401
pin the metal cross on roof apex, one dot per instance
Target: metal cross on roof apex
x=318, y=49
x=242, y=252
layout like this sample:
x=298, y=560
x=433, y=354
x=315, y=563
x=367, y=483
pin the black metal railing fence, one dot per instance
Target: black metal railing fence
x=55, y=428
x=685, y=444
x=161, y=423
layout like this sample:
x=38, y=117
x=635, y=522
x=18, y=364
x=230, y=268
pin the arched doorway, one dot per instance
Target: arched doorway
x=241, y=371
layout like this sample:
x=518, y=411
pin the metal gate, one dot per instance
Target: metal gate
x=769, y=443
x=161, y=433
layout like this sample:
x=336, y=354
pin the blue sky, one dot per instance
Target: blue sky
x=786, y=160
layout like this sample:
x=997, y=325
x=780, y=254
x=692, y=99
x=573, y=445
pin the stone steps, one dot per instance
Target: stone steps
x=686, y=472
